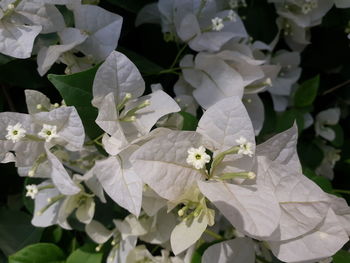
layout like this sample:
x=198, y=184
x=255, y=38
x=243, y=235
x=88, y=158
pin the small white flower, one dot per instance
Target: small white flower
x=217, y=24
x=197, y=157
x=48, y=132
x=306, y=8
x=232, y=16
x=32, y=190
x=15, y=133
x=245, y=147
x=10, y=7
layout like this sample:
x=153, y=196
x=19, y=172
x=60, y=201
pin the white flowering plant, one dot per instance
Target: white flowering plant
x=174, y=131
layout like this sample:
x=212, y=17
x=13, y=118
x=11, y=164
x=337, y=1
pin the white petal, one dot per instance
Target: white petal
x=255, y=109
x=119, y=76
x=321, y=243
x=253, y=211
x=60, y=177
x=17, y=40
x=120, y=182
x=33, y=98
x=103, y=28
x=161, y=163
x=148, y=14
x=46, y=16
x=238, y=250
x=70, y=129
x=161, y=104
x=47, y=56
x=224, y=123
x=282, y=148
x=97, y=232
x=49, y=217
x=186, y=233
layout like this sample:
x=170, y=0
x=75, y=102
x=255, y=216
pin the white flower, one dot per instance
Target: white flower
x=231, y=16
x=217, y=24
x=48, y=132
x=245, y=147
x=15, y=133
x=32, y=190
x=197, y=157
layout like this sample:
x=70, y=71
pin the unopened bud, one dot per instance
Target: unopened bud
x=11, y=7
x=251, y=175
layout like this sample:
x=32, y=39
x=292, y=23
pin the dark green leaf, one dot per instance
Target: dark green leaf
x=260, y=20
x=324, y=183
x=16, y=231
x=341, y=256
x=287, y=119
x=52, y=234
x=5, y=59
x=306, y=92
x=76, y=90
x=310, y=154
x=339, y=135
x=21, y=73
x=38, y=253
x=85, y=254
x=270, y=118
x=132, y=6
x=144, y=65
x=190, y=122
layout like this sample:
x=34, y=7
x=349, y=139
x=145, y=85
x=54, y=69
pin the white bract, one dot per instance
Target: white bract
x=323, y=120
x=204, y=25
x=163, y=166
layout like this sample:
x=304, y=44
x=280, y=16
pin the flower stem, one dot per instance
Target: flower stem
x=342, y=191
x=213, y=234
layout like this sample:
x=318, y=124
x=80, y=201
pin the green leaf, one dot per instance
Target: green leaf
x=198, y=253
x=310, y=154
x=144, y=65
x=190, y=122
x=76, y=90
x=260, y=20
x=52, y=234
x=21, y=73
x=38, y=253
x=287, y=118
x=5, y=59
x=306, y=93
x=324, y=183
x=339, y=135
x=132, y=6
x=16, y=231
x=341, y=256
x=85, y=254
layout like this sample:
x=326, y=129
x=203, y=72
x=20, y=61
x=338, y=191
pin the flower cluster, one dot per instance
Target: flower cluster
x=178, y=185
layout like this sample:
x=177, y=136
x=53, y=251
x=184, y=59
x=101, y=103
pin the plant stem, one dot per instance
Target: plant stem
x=178, y=55
x=213, y=234
x=342, y=191
x=336, y=87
